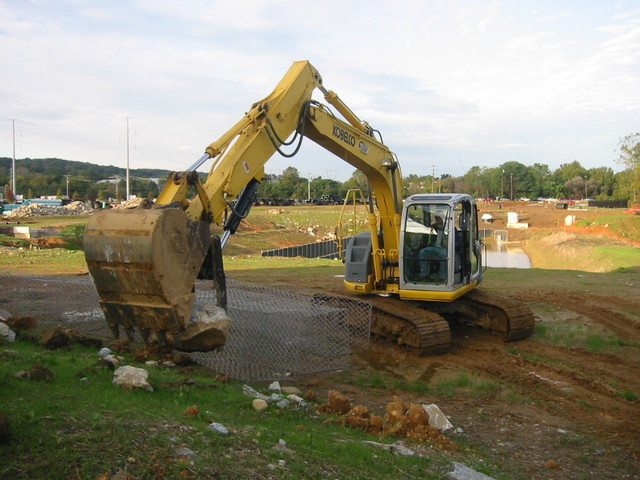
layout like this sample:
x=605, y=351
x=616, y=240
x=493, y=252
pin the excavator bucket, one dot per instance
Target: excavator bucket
x=144, y=263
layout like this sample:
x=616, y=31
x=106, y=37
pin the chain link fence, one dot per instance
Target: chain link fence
x=275, y=333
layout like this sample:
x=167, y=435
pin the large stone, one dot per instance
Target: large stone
x=462, y=472
x=132, y=377
x=259, y=404
x=207, y=331
x=6, y=333
x=437, y=419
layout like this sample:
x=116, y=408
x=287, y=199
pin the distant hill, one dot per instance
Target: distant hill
x=85, y=170
x=36, y=177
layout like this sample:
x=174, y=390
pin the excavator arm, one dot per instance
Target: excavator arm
x=144, y=261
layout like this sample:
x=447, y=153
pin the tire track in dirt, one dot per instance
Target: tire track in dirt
x=570, y=395
x=602, y=310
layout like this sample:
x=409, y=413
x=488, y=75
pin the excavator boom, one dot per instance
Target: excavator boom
x=144, y=261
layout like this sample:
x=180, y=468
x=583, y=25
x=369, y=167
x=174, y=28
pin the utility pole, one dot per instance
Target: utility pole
x=512, y=187
x=67, y=177
x=309, y=188
x=502, y=185
x=433, y=178
x=13, y=162
x=585, y=188
x=127, y=195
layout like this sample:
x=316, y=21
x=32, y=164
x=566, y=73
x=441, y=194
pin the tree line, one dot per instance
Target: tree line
x=514, y=180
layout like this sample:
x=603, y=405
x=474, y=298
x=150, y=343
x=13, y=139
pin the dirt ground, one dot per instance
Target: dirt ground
x=540, y=409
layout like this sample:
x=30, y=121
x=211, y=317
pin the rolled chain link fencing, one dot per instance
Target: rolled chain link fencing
x=275, y=333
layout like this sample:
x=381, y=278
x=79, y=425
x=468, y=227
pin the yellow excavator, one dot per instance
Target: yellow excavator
x=420, y=260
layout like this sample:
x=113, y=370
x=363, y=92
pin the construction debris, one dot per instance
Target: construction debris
x=40, y=210
x=402, y=420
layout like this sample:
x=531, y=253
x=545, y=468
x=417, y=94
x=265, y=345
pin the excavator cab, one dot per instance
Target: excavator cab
x=439, y=245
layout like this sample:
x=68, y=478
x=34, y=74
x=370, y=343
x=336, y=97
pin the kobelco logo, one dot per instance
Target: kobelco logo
x=343, y=135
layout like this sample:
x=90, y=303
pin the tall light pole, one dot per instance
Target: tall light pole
x=68, y=176
x=127, y=193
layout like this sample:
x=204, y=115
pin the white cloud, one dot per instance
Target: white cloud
x=487, y=81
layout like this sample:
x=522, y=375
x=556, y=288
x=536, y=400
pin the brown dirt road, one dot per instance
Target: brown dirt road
x=562, y=404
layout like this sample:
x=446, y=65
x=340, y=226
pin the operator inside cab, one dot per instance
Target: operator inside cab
x=434, y=235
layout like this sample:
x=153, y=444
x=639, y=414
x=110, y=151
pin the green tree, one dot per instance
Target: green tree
x=603, y=179
x=324, y=186
x=540, y=176
x=358, y=180
x=518, y=181
x=629, y=156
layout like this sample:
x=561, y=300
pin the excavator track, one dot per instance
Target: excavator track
x=410, y=326
x=424, y=327
x=400, y=322
x=510, y=318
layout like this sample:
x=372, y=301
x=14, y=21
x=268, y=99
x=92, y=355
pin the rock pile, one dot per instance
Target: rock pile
x=38, y=210
x=133, y=203
x=411, y=421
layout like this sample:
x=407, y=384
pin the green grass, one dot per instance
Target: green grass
x=629, y=396
x=619, y=257
x=370, y=381
x=9, y=240
x=79, y=425
x=565, y=334
x=572, y=335
x=43, y=262
x=625, y=225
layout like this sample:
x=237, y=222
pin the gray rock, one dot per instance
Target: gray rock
x=275, y=386
x=113, y=360
x=395, y=448
x=6, y=333
x=219, y=428
x=252, y=393
x=462, y=472
x=104, y=351
x=281, y=447
x=298, y=400
x=291, y=390
x=275, y=398
x=437, y=419
x=184, y=452
x=132, y=377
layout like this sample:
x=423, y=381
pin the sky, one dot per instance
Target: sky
x=449, y=84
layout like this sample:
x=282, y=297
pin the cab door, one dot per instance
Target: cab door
x=466, y=261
